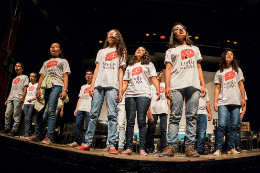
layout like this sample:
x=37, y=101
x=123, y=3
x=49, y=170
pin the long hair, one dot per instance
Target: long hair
x=144, y=60
x=222, y=61
x=61, y=54
x=173, y=42
x=120, y=44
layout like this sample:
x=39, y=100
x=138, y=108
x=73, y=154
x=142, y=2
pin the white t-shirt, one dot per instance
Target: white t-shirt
x=18, y=85
x=55, y=67
x=229, y=90
x=139, y=79
x=184, y=72
x=203, y=103
x=161, y=106
x=85, y=103
x=109, y=62
x=31, y=93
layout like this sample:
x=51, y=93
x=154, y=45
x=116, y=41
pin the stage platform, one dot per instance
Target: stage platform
x=21, y=155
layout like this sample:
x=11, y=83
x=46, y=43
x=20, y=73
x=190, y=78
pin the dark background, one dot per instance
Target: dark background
x=80, y=25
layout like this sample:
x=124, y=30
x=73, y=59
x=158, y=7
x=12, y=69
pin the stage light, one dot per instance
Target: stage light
x=154, y=33
x=190, y=36
x=147, y=35
x=162, y=37
x=235, y=42
x=228, y=41
x=196, y=37
x=100, y=41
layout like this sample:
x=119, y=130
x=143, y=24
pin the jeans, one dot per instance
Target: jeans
x=202, y=120
x=121, y=124
x=151, y=131
x=139, y=105
x=79, y=118
x=224, y=112
x=28, y=114
x=238, y=136
x=191, y=96
x=96, y=105
x=13, y=106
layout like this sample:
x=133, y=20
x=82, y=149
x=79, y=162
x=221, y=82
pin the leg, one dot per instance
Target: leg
x=26, y=117
x=17, y=114
x=8, y=113
x=130, y=107
x=234, y=119
x=28, y=123
x=163, y=126
x=151, y=133
x=78, y=127
x=202, y=127
x=223, y=115
x=121, y=124
x=238, y=138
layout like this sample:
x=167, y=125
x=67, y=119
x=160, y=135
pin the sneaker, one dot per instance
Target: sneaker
x=5, y=131
x=113, y=151
x=203, y=152
x=217, y=153
x=73, y=144
x=233, y=152
x=12, y=133
x=143, y=153
x=48, y=140
x=120, y=150
x=239, y=149
x=128, y=152
x=168, y=152
x=34, y=138
x=149, y=151
x=83, y=147
x=106, y=149
x=190, y=152
x=24, y=136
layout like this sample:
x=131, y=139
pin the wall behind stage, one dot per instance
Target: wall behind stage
x=209, y=80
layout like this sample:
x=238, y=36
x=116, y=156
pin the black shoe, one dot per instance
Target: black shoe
x=13, y=133
x=203, y=152
x=239, y=149
x=5, y=131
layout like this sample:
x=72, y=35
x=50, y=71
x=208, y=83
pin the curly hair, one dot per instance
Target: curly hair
x=144, y=60
x=173, y=42
x=222, y=61
x=120, y=44
x=61, y=54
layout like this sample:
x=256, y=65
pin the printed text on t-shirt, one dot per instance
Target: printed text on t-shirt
x=185, y=54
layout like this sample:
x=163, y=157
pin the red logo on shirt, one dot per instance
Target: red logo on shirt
x=111, y=56
x=86, y=91
x=31, y=88
x=230, y=75
x=162, y=90
x=187, y=53
x=52, y=63
x=16, y=81
x=137, y=71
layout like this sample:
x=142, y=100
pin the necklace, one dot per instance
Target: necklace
x=185, y=52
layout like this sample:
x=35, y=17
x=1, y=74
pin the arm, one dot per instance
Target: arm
x=91, y=90
x=30, y=100
x=243, y=112
x=66, y=84
x=209, y=111
x=168, y=92
x=38, y=94
x=75, y=112
x=242, y=90
x=169, y=103
x=150, y=115
x=202, y=82
x=120, y=79
x=24, y=94
x=61, y=111
x=216, y=94
x=7, y=98
x=157, y=86
x=125, y=85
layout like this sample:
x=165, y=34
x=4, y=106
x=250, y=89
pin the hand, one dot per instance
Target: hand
x=242, y=115
x=159, y=95
x=168, y=93
x=75, y=113
x=150, y=118
x=216, y=106
x=119, y=99
x=61, y=113
x=6, y=102
x=22, y=107
x=29, y=100
x=63, y=95
x=209, y=117
x=38, y=94
x=243, y=103
x=202, y=91
x=21, y=100
x=91, y=91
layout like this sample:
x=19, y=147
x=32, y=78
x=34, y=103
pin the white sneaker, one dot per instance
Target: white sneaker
x=234, y=152
x=73, y=144
x=216, y=153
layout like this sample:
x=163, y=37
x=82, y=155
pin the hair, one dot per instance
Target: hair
x=90, y=71
x=120, y=44
x=173, y=42
x=144, y=60
x=222, y=61
x=61, y=54
x=34, y=73
x=20, y=64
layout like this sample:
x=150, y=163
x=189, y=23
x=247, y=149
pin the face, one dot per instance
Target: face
x=33, y=77
x=180, y=32
x=89, y=76
x=229, y=56
x=111, y=36
x=18, y=68
x=139, y=53
x=55, y=50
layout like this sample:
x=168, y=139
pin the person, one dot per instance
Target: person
x=203, y=115
x=107, y=81
x=227, y=98
x=28, y=106
x=82, y=109
x=183, y=79
x=138, y=96
x=15, y=100
x=157, y=109
x=52, y=89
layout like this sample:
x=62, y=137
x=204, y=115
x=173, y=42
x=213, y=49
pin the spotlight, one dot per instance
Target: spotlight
x=162, y=37
x=147, y=35
x=228, y=41
x=235, y=42
x=196, y=37
x=100, y=41
x=154, y=33
x=190, y=36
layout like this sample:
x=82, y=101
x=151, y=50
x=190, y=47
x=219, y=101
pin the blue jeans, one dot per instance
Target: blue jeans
x=96, y=105
x=224, y=112
x=13, y=106
x=238, y=136
x=139, y=105
x=191, y=96
x=79, y=118
x=28, y=115
x=202, y=120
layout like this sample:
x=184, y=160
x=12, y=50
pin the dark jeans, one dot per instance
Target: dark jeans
x=151, y=131
x=238, y=136
x=139, y=105
x=28, y=114
x=79, y=118
x=202, y=120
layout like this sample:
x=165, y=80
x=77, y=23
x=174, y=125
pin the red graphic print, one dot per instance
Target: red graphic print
x=137, y=71
x=230, y=75
x=16, y=81
x=31, y=88
x=162, y=90
x=52, y=63
x=86, y=91
x=111, y=56
x=187, y=53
